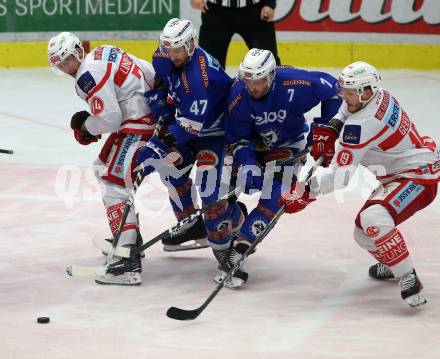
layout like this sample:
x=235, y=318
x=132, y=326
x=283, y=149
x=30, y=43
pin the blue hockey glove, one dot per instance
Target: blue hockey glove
x=151, y=154
x=159, y=106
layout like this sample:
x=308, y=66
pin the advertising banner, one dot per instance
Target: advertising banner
x=85, y=15
x=360, y=16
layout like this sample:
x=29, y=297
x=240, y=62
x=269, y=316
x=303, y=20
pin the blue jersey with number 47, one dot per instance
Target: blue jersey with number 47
x=199, y=90
x=277, y=120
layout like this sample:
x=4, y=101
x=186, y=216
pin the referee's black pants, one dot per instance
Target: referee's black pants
x=220, y=23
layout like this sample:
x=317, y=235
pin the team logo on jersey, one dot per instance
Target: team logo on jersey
x=257, y=227
x=223, y=227
x=344, y=158
x=372, y=231
x=352, y=134
x=86, y=82
x=207, y=158
x=269, y=138
x=97, y=105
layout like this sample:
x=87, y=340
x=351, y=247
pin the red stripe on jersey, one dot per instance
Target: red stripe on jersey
x=397, y=136
x=144, y=120
x=102, y=83
x=133, y=131
x=361, y=145
x=123, y=70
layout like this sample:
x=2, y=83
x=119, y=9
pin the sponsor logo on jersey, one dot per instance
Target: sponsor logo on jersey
x=297, y=83
x=86, y=82
x=207, y=158
x=344, y=158
x=113, y=55
x=234, y=103
x=270, y=117
x=203, y=71
x=123, y=70
x=383, y=106
x=392, y=117
x=127, y=142
x=185, y=82
x=352, y=134
x=405, y=196
x=97, y=105
x=391, y=249
x=98, y=53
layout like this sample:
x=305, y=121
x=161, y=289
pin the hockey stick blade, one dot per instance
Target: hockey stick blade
x=85, y=271
x=182, y=314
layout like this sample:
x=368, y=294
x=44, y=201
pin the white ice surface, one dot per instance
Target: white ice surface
x=308, y=295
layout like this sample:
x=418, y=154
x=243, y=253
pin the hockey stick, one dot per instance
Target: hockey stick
x=183, y=314
x=8, y=152
x=132, y=252
x=93, y=271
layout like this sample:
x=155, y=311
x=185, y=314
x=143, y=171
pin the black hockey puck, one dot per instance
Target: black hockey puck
x=43, y=320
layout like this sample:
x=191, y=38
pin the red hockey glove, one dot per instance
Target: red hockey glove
x=324, y=139
x=79, y=131
x=297, y=198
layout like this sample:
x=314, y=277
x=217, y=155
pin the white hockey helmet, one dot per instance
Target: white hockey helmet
x=179, y=33
x=258, y=64
x=62, y=46
x=358, y=76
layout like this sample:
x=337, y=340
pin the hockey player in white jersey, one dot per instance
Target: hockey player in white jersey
x=377, y=133
x=113, y=84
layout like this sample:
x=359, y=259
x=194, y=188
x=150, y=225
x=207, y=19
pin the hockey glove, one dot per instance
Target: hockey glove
x=297, y=198
x=79, y=131
x=150, y=155
x=324, y=139
x=157, y=100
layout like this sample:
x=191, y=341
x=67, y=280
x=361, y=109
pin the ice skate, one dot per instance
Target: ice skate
x=380, y=271
x=227, y=258
x=122, y=271
x=184, y=238
x=412, y=289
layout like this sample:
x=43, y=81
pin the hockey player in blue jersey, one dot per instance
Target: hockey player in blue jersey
x=198, y=87
x=265, y=122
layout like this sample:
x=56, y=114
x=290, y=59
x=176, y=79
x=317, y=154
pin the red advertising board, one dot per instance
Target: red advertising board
x=368, y=16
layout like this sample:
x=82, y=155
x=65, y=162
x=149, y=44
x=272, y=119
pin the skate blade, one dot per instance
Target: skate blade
x=232, y=283
x=128, y=279
x=187, y=246
x=416, y=300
